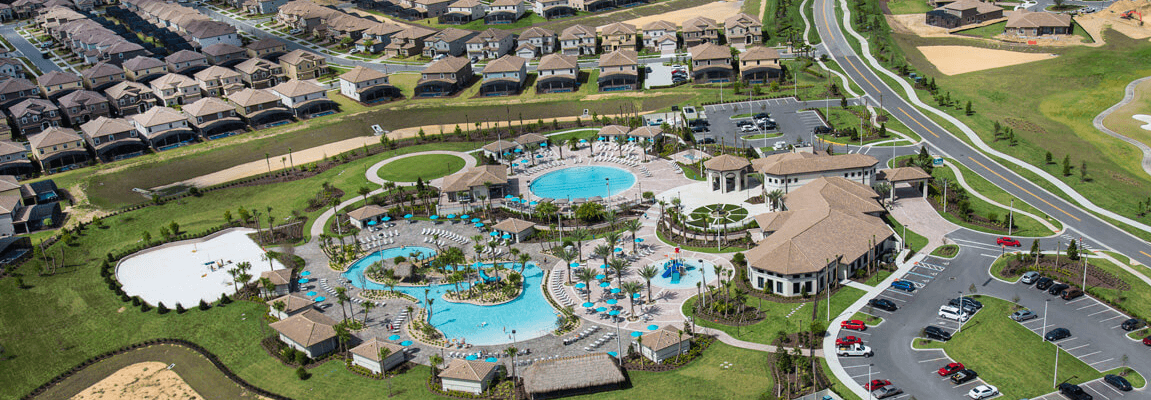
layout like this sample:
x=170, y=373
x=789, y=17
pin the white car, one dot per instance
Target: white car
x=747, y=128
x=983, y=392
x=952, y=313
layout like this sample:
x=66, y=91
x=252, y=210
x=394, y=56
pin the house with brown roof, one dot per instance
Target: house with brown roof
x=26, y=8
x=618, y=70
x=504, y=76
x=497, y=148
x=450, y=41
x=444, y=77
x=491, y=43
x=209, y=32
x=518, y=229
x=550, y=9
x=538, y=42
x=175, y=89
x=572, y=376
x=163, y=128
x=420, y=9
x=699, y=30
x=367, y=85
x=55, y=83
x=15, y=159
x=787, y=171
x=217, y=81
x=311, y=332
x=654, y=31
x=742, y=30
x=727, y=173
x=58, y=149
x=578, y=40
x=464, y=11
x=664, y=344
x=82, y=106
x=127, y=98
x=6, y=13
x=304, y=98
x=378, y=356
x=260, y=107
x=117, y=52
x=259, y=73
x=348, y=26
x=593, y=5
x=14, y=90
x=963, y=12
x=377, y=37
x=557, y=73
x=467, y=376
x=281, y=280
x=34, y=115
x=211, y=117
x=505, y=11
x=103, y=75
x=112, y=138
x=711, y=63
x=617, y=36
x=267, y=48
x=408, y=42
x=759, y=64
x=185, y=62
x=144, y=69
x=293, y=304
x=1034, y=24
x=225, y=54
x=300, y=65
x=488, y=181
x=612, y=132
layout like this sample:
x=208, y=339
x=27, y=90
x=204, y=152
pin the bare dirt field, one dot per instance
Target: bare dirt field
x=1096, y=22
x=146, y=380
x=954, y=60
x=915, y=24
x=717, y=11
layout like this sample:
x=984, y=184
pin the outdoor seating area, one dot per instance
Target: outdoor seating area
x=379, y=239
x=441, y=237
x=600, y=342
x=582, y=335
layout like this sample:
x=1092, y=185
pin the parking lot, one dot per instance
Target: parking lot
x=1084, y=312
x=795, y=121
x=1096, y=388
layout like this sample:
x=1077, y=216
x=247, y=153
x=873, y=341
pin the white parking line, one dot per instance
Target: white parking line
x=1087, y=306
x=1078, y=300
x=934, y=359
x=1108, y=319
x=897, y=292
x=1097, y=312
x=892, y=298
x=1096, y=391
x=1103, y=361
x=873, y=372
x=854, y=366
x=1087, y=355
x=1077, y=347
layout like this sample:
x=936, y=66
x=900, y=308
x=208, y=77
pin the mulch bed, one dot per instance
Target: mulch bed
x=633, y=362
x=1066, y=271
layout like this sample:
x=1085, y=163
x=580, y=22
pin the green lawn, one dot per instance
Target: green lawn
x=868, y=319
x=946, y=251
x=1137, y=300
x=989, y=31
x=908, y=6
x=426, y=167
x=988, y=189
x=762, y=136
x=1026, y=226
x=777, y=316
x=529, y=19
x=747, y=378
x=837, y=386
x=877, y=277
x=997, y=268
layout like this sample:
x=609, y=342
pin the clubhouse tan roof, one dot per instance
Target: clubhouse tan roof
x=529, y=139
x=103, y=126
x=613, y=130
x=52, y=137
x=759, y=53
x=646, y=131
x=659, y=25
x=726, y=162
x=513, y=225
x=208, y=106
x=800, y=163
x=467, y=370
x=1026, y=19
x=293, y=88
x=292, y=302
x=902, y=174
x=665, y=337
x=506, y=63
x=361, y=74
x=710, y=51
x=572, y=373
x=367, y=212
x=499, y=146
x=698, y=24
x=617, y=28
x=251, y=97
x=307, y=328
x=158, y=116
x=477, y=176
x=447, y=65
x=371, y=349
x=282, y=276
x=558, y=61
x=618, y=58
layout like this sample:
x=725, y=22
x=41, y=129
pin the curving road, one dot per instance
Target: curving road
x=1128, y=97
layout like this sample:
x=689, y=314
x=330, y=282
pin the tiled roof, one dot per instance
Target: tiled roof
x=57, y=78
x=619, y=58
x=293, y=88
x=102, y=70
x=141, y=62
x=208, y=106
x=102, y=126
x=447, y=65
x=759, y=53
x=726, y=162
x=506, y=63
x=220, y=49
x=710, y=51
x=467, y=370
x=251, y=97
x=308, y=328
x=158, y=116
x=52, y=137
x=184, y=56
x=361, y=74
x=558, y=61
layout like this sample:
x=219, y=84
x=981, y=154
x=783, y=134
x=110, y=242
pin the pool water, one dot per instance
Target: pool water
x=390, y=254
x=696, y=271
x=530, y=315
x=582, y=182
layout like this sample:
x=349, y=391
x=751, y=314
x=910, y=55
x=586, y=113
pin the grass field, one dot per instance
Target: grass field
x=1027, y=227
x=777, y=319
x=1121, y=122
x=426, y=167
x=747, y=378
x=529, y=18
x=908, y=7
x=988, y=32
x=844, y=118
x=877, y=277
x=868, y=319
x=988, y=189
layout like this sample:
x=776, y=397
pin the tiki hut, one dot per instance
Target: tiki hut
x=570, y=376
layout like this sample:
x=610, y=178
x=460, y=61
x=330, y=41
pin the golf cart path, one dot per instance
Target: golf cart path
x=1128, y=97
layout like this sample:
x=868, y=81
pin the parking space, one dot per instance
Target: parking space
x=1098, y=389
x=660, y=75
x=1086, y=311
x=795, y=124
x=927, y=364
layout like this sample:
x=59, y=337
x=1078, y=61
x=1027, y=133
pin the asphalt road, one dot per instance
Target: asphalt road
x=27, y=49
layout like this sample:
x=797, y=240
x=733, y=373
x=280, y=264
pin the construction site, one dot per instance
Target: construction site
x=1123, y=16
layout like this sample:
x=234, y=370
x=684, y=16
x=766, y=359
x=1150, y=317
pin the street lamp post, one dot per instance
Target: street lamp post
x=607, y=197
x=618, y=343
x=1084, y=257
x=1010, y=216
x=961, y=312
x=1044, y=333
x=869, y=380
x=1055, y=379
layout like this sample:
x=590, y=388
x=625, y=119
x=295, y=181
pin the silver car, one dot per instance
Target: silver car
x=886, y=391
x=1029, y=277
x=1023, y=315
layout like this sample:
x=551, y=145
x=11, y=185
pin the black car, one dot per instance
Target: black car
x=883, y=304
x=937, y=333
x=1057, y=334
x=1131, y=324
x=699, y=128
x=767, y=125
x=1073, y=392
x=963, y=376
x=822, y=130
x=970, y=305
x=1044, y=283
x=699, y=122
x=1057, y=288
x=744, y=122
x=1118, y=382
x=762, y=115
x=706, y=140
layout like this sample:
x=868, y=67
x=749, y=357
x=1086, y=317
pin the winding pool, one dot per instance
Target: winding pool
x=582, y=182
x=530, y=314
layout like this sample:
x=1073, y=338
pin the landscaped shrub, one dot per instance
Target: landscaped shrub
x=204, y=305
x=180, y=308
x=302, y=373
x=300, y=357
x=145, y=307
x=161, y=308
x=136, y=301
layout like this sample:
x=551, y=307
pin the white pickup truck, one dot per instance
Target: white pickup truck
x=857, y=349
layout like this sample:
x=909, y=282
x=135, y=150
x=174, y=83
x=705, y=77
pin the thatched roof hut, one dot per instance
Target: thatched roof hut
x=568, y=376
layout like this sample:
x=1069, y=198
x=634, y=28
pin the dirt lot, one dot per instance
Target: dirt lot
x=954, y=60
x=717, y=11
x=915, y=24
x=1094, y=23
x=146, y=380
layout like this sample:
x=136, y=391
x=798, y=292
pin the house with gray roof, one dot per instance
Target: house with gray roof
x=82, y=106
x=58, y=149
x=34, y=115
x=11, y=68
x=144, y=69
x=224, y=54
x=113, y=138
x=127, y=98
x=163, y=128
x=55, y=83
x=14, y=90
x=185, y=62
x=102, y=76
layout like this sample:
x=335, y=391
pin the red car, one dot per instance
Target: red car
x=1006, y=241
x=950, y=369
x=847, y=341
x=876, y=384
x=1147, y=341
x=854, y=324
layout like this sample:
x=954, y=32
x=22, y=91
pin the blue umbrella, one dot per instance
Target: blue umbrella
x=506, y=153
x=636, y=334
x=604, y=284
x=637, y=295
x=407, y=215
x=465, y=216
x=406, y=343
x=321, y=298
x=479, y=224
x=492, y=359
x=583, y=140
x=434, y=217
x=601, y=309
x=631, y=139
x=603, y=266
x=539, y=156
x=471, y=357
x=544, y=144
x=580, y=285
x=613, y=312
x=509, y=197
x=600, y=276
x=506, y=236
x=613, y=354
x=611, y=302
x=639, y=240
x=652, y=327
x=573, y=265
x=475, y=220
x=615, y=290
x=494, y=233
x=303, y=280
x=394, y=337
x=601, y=139
x=515, y=164
x=525, y=201
x=588, y=304
x=372, y=222
x=450, y=216
x=533, y=203
x=387, y=218
x=311, y=293
x=518, y=150
x=305, y=273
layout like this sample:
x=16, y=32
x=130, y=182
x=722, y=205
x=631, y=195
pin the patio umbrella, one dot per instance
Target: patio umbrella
x=539, y=156
x=613, y=354
x=533, y=203
x=583, y=140
x=580, y=285
x=601, y=309
x=406, y=343
x=492, y=359
x=450, y=216
x=544, y=144
x=386, y=218
x=407, y=215
x=588, y=304
x=615, y=290
x=604, y=284
x=515, y=164
x=321, y=298
x=613, y=312
x=525, y=201
x=612, y=302
x=506, y=153
x=652, y=327
x=303, y=280
x=311, y=293
x=465, y=216
x=471, y=357
x=372, y=222
x=600, y=276
x=603, y=266
x=394, y=337
x=617, y=249
x=509, y=197
x=494, y=233
x=601, y=138
x=305, y=273
x=636, y=334
x=434, y=217
x=637, y=295
x=479, y=224
x=506, y=236
x=639, y=240
x=574, y=265
x=475, y=220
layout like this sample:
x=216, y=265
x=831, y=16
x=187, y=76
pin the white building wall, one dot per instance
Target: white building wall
x=462, y=386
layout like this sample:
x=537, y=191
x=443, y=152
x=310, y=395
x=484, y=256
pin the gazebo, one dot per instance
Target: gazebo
x=360, y=217
x=727, y=173
x=497, y=148
x=913, y=176
x=519, y=229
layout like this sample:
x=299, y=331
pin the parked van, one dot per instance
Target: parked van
x=1070, y=293
x=952, y=313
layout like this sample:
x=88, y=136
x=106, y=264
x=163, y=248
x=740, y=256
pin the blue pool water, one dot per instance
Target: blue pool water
x=697, y=271
x=530, y=314
x=582, y=182
x=391, y=253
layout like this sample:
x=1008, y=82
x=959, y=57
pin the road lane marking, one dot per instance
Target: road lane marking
x=917, y=122
x=1024, y=190
x=861, y=74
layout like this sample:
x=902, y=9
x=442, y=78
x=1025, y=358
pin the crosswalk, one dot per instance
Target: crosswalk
x=752, y=104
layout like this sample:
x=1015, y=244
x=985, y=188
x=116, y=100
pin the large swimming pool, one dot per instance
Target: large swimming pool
x=530, y=315
x=582, y=182
x=692, y=270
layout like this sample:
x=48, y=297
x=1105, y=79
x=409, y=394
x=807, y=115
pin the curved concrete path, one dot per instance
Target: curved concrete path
x=1128, y=96
x=963, y=183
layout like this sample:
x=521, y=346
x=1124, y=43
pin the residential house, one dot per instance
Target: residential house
x=963, y=12
x=260, y=107
x=211, y=117
x=266, y=48
x=449, y=42
x=535, y=42
x=467, y=376
x=660, y=36
x=128, y=98
x=112, y=138
x=491, y=43
x=593, y=5
x=16, y=218
x=367, y=85
x=5, y=129
x=557, y=73
x=378, y=356
x=377, y=37
x=743, y=30
x=209, y=32
x=304, y=15
x=464, y=11
x=40, y=192
x=82, y=106
x=506, y=11
x=34, y=115
x=55, y=83
x=664, y=344
x=185, y=62
x=444, y=77
x=504, y=76
x=6, y=13
x=259, y=73
x=619, y=70
x=484, y=181
x=408, y=42
x=699, y=30
x=118, y=52
x=759, y=64
x=102, y=75
x=711, y=63
x=26, y=8
x=14, y=90
x=304, y=98
x=550, y=9
x=420, y=9
x=578, y=40
x=217, y=81
x=15, y=160
x=348, y=26
x=144, y=69
x=293, y=304
x=1034, y=24
x=58, y=149
x=260, y=7
x=225, y=54
x=163, y=128
x=300, y=65
x=11, y=68
x=618, y=36
x=311, y=332
x=175, y=89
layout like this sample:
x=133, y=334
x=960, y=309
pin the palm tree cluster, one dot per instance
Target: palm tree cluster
x=725, y=299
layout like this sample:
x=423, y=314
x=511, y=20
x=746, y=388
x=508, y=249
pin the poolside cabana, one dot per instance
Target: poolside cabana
x=913, y=176
x=467, y=376
x=665, y=343
x=519, y=229
x=570, y=376
x=361, y=217
x=531, y=141
x=403, y=270
x=497, y=148
x=648, y=133
x=282, y=278
x=488, y=181
x=367, y=355
x=611, y=132
x=293, y=304
x=311, y=332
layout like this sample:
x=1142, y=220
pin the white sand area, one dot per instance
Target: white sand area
x=178, y=272
x=1145, y=119
x=954, y=60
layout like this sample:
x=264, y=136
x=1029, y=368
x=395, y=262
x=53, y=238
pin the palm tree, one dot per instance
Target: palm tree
x=680, y=333
x=391, y=284
x=586, y=275
x=343, y=336
x=612, y=239
x=633, y=226
x=567, y=256
x=279, y=306
x=384, y=353
x=235, y=273
x=546, y=210
x=268, y=286
x=364, y=191
x=342, y=297
x=430, y=301
x=619, y=266
x=773, y=198
x=602, y=251
x=525, y=258
x=631, y=288
x=367, y=305
x=580, y=235
x=511, y=353
x=435, y=360
x=647, y=273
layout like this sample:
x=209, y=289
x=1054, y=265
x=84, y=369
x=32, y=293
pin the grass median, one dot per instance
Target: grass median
x=426, y=167
x=782, y=317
